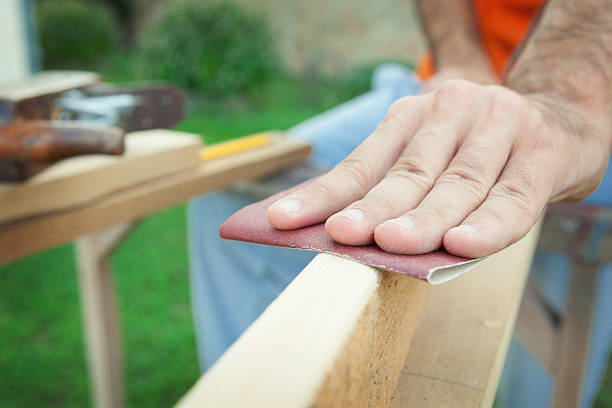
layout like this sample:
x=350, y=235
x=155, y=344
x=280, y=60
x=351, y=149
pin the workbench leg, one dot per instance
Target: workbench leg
x=100, y=319
x=575, y=332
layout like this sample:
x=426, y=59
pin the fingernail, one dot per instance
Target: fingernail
x=354, y=214
x=291, y=205
x=464, y=228
x=404, y=222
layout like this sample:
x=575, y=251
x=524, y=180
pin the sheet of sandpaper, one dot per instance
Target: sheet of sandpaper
x=250, y=224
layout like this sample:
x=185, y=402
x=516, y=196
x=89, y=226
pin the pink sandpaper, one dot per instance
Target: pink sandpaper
x=250, y=224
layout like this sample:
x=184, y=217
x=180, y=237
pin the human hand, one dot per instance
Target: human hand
x=480, y=73
x=469, y=167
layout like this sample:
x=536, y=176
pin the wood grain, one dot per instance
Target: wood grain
x=463, y=333
x=334, y=337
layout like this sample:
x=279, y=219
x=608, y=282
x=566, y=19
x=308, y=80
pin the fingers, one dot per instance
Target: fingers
x=510, y=210
x=355, y=175
x=410, y=179
x=405, y=185
x=444, y=185
x=459, y=190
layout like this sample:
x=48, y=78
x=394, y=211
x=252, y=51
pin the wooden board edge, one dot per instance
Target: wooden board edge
x=366, y=371
x=334, y=337
x=462, y=337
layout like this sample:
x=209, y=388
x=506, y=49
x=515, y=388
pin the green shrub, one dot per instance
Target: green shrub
x=218, y=49
x=73, y=31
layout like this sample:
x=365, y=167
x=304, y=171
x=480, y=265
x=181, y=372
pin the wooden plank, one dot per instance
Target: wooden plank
x=335, y=337
x=18, y=239
x=71, y=182
x=49, y=82
x=463, y=333
x=575, y=335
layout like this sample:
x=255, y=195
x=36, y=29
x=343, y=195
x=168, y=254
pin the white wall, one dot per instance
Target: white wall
x=14, y=55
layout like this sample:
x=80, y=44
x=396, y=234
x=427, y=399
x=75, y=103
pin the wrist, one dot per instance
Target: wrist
x=575, y=117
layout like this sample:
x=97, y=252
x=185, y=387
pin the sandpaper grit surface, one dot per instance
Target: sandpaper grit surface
x=250, y=224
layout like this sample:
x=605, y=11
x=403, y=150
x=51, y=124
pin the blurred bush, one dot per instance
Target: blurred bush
x=216, y=48
x=72, y=32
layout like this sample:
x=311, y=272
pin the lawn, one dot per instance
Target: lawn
x=42, y=352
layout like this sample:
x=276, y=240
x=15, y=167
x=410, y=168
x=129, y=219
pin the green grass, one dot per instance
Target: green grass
x=42, y=359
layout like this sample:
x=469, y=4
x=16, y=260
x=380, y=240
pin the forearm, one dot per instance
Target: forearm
x=452, y=32
x=568, y=58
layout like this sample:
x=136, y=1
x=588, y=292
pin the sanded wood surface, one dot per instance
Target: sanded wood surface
x=71, y=182
x=334, y=337
x=461, y=340
x=24, y=237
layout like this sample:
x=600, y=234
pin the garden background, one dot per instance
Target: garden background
x=246, y=66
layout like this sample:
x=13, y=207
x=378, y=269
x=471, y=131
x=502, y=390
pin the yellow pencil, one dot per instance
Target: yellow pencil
x=234, y=146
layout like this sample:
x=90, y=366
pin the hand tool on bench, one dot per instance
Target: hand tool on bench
x=38, y=130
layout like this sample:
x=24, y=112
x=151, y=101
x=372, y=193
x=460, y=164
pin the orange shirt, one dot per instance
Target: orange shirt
x=503, y=24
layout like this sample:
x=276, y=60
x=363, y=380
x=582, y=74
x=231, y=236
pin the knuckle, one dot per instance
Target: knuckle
x=450, y=91
x=504, y=103
x=357, y=170
x=468, y=175
x=414, y=172
x=521, y=192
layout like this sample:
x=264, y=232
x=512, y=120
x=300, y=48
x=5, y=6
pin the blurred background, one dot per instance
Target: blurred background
x=246, y=66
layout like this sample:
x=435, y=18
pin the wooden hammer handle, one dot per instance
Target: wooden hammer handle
x=43, y=142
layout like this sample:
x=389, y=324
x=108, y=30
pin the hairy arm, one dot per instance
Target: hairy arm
x=566, y=63
x=471, y=167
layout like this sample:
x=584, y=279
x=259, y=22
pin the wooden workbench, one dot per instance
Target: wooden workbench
x=97, y=226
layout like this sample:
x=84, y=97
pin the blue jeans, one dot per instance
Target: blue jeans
x=233, y=282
